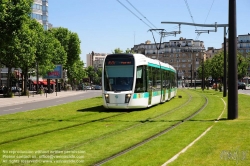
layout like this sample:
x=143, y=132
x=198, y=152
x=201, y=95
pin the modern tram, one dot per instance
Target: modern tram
x=132, y=81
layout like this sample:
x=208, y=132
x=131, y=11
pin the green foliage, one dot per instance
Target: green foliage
x=13, y=16
x=76, y=72
x=242, y=66
x=8, y=94
x=215, y=67
x=117, y=51
x=129, y=51
x=24, y=43
x=70, y=42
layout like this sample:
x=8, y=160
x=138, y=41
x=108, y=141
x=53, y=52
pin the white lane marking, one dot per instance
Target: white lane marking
x=183, y=150
x=13, y=109
x=191, y=144
x=59, y=100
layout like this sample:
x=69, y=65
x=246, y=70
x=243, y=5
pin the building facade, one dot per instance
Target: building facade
x=95, y=59
x=40, y=13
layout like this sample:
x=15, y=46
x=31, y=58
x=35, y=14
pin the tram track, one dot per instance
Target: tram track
x=153, y=136
x=115, y=132
x=59, y=129
x=143, y=122
x=84, y=123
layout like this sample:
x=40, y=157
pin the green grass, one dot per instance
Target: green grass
x=75, y=127
x=225, y=137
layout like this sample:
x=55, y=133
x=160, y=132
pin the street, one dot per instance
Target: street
x=43, y=102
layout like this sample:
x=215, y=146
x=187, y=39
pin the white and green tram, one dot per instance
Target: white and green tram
x=133, y=81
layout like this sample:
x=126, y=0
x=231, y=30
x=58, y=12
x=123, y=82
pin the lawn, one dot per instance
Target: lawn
x=83, y=133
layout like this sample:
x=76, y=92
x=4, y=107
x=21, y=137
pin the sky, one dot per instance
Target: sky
x=104, y=25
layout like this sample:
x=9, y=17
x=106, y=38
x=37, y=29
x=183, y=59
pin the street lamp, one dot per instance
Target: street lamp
x=191, y=74
x=203, y=81
x=177, y=71
x=195, y=79
x=65, y=78
x=0, y=76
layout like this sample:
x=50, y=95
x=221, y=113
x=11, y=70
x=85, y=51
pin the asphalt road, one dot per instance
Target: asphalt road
x=47, y=103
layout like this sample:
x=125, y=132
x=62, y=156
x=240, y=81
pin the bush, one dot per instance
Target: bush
x=8, y=94
x=40, y=91
x=220, y=87
x=25, y=93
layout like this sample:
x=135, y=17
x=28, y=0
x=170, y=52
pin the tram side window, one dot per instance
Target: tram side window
x=150, y=78
x=140, y=85
x=168, y=81
x=156, y=78
x=164, y=79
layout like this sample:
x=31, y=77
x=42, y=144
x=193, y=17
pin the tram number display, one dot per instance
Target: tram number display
x=115, y=62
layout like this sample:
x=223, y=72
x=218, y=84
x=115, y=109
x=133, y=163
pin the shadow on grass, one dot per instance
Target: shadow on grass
x=101, y=109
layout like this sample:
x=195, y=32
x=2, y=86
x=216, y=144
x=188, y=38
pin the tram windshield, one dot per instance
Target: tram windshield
x=118, y=75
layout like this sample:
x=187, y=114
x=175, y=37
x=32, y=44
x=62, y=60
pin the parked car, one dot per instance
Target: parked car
x=241, y=85
x=2, y=90
x=16, y=89
x=88, y=87
x=97, y=87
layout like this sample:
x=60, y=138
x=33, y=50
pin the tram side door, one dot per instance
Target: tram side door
x=149, y=79
x=169, y=85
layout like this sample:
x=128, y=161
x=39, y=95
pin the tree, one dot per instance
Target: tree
x=206, y=70
x=117, y=51
x=214, y=67
x=91, y=73
x=13, y=15
x=242, y=66
x=29, y=41
x=129, y=51
x=76, y=73
x=71, y=44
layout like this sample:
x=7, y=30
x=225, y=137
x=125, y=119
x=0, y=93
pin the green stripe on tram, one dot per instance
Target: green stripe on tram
x=162, y=67
x=154, y=65
x=140, y=95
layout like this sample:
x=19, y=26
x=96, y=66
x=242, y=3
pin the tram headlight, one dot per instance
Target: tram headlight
x=107, y=98
x=127, y=98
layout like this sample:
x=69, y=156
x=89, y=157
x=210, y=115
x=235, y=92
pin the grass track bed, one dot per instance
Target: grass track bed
x=158, y=150
x=103, y=138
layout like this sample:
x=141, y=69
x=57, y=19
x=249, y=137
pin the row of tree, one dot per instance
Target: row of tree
x=214, y=67
x=26, y=45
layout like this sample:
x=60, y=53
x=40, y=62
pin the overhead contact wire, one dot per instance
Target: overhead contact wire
x=141, y=14
x=134, y=14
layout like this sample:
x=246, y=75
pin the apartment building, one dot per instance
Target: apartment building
x=95, y=59
x=211, y=51
x=243, y=46
x=40, y=13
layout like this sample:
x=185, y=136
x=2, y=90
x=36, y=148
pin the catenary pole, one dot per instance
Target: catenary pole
x=232, y=63
x=225, y=65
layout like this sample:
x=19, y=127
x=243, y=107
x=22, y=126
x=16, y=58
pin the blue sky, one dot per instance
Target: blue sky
x=103, y=25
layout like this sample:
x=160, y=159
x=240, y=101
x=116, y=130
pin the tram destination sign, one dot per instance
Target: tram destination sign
x=119, y=62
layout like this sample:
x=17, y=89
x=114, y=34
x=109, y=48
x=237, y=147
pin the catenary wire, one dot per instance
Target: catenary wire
x=141, y=14
x=206, y=17
x=190, y=12
x=134, y=14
